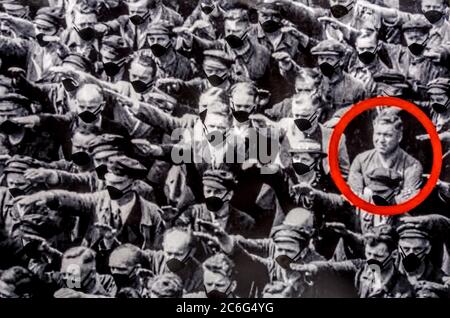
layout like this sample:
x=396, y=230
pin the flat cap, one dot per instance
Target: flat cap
x=412, y=230
x=107, y=143
x=219, y=179
x=298, y=225
x=440, y=83
x=417, y=22
x=218, y=56
x=79, y=61
x=289, y=232
x=125, y=166
x=307, y=146
x=116, y=45
x=329, y=47
x=384, y=233
x=159, y=28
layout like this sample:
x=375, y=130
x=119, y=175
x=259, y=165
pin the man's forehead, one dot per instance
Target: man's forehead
x=89, y=96
x=286, y=243
x=412, y=241
x=86, y=18
x=302, y=155
x=83, y=139
x=302, y=105
x=211, y=64
x=215, y=119
x=217, y=278
x=432, y=2
x=243, y=95
x=139, y=69
x=411, y=32
x=120, y=259
x=71, y=265
x=176, y=241
x=436, y=91
x=366, y=42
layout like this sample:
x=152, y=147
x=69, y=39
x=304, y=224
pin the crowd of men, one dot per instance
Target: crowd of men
x=169, y=148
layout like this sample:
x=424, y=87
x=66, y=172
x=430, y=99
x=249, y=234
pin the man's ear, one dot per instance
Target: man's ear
x=400, y=136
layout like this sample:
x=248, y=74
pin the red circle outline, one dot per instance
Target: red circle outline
x=341, y=183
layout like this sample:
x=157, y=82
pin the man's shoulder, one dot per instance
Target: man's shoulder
x=409, y=159
x=365, y=156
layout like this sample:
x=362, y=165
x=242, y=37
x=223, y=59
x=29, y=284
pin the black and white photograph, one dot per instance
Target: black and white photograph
x=219, y=149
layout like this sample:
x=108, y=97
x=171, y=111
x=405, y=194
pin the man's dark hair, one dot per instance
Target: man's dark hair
x=386, y=118
x=382, y=234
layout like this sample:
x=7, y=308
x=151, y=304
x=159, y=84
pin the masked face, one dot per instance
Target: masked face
x=416, y=41
x=101, y=171
x=139, y=18
x=216, y=74
x=90, y=116
x=305, y=114
x=80, y=154
x=270, y=23
x=215, y=198
x=367, y=52
x=413, y=252
x=118, y=186
x=141, y=86
x=18, y=185
x=236, y=33
x=159, y=44
x=177, y=250
x=379, y=256
x=302, y=163
x=86, y=34
x=243, y=104
x=81, y=158
x=70, y=85
x=440, y=103
x=216, y=285
x=207, y=7
x=433, y=10
x=42, y=31
x=328, y=64
x=76, y=275
x=305, y=124
x=215, y=128
x=287, y=252
x=124, y=278
x=141, y=78
x=340, y=8
x=112, y=68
